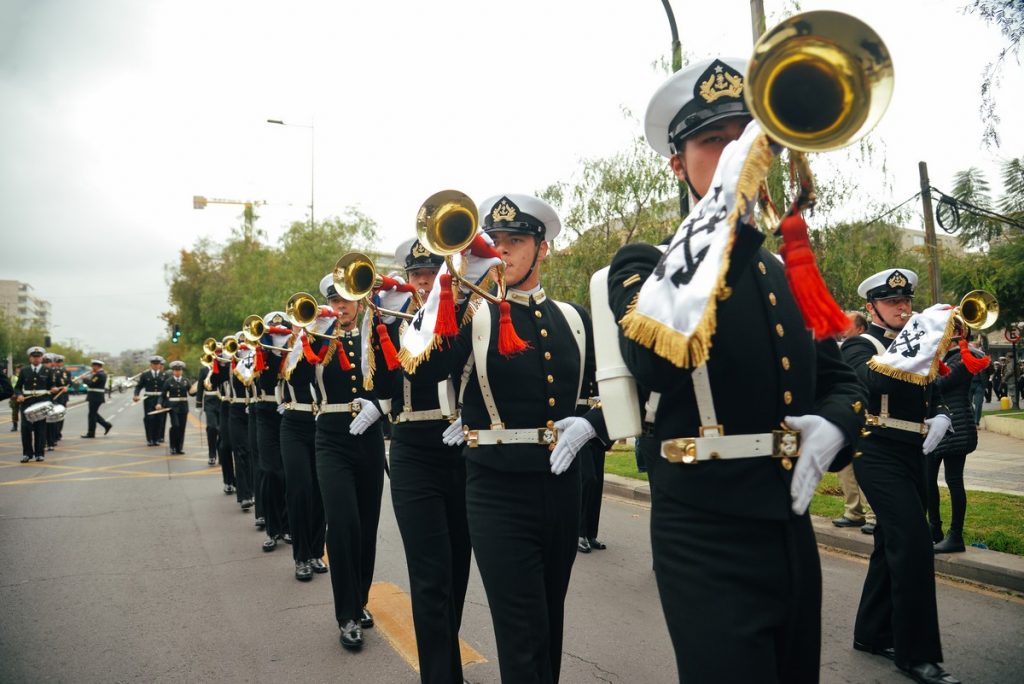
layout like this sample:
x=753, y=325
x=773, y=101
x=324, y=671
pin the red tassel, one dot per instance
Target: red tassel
x=446, y=325
x=215, y=367
x=821, y=313
x=326, y=312
x=509, y=343
x=307, y=351
x=387, y=347
x=943, y=369
x=343, y=361
x=480, y=248
x=233, y=364
x=261, y=362
x=279, y=330
x=972, y=363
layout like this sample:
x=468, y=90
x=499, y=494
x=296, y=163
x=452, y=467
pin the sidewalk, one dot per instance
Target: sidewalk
x=996, y=466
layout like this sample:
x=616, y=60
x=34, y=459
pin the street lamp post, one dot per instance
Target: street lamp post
x=312, y=161
x=677, y=64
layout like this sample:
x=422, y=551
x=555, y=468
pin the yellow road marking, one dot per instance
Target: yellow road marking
x=130, y=476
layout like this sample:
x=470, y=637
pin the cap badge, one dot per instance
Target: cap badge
x=721, y=83
x=277, y=320
x=896, y=280
x=419, y=251
x=504, y=210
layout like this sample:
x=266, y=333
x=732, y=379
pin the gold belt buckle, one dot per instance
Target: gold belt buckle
x=547, y=435
x=785, y=443
x=354, y=407
x=472, y=437
x=681, y=450
x=871, y=420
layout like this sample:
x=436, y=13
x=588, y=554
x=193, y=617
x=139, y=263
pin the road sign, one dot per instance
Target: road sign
x=1012, y=333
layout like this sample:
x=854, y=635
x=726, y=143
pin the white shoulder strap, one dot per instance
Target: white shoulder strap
x=575, y=321
x=481, y=342
x=879, y=347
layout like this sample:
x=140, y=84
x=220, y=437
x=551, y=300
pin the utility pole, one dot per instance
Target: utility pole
x=677, y=64
x=757, y=18
x=929, y=232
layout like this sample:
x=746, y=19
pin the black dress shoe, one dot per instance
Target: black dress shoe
x=107, y=429
x=583, y=546
x=318, y=565
x=847, y=522
x=39, y=458
x=953, y=543
x=366, y=621
x=88, y=436
x=246, y=504
x=49, y=448
x=884, y=651
x=14, y=427
x=303, y=572
x=286, y=538
x=260, y=523
x=351, y=636
x=229, y=489
x=597, y=545
x=869, y=528
x=26, y=459
x=211, y=461
x=929, y=673
x=269, y=544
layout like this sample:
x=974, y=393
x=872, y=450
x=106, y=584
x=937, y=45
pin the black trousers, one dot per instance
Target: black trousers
x=272, y=484
x=957, y=493
x=897, y=605
x=428, y=490
x=211, y=411
x=161, y=426
x=33, y=437
x=240, y=450
x=151, y=423
x=95, y=418
x=176, y=435
x=591, y=459
x=741, y=596
x=302, y=488
x=227, y=462
x=255, y=472
x=524, y=527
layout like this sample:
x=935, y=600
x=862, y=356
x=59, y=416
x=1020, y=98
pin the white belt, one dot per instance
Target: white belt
x=266, y=397
x=296, y=406
x=896, y=424
x=776, y=444
x=151, y=394
x=351, y=407
x=35, y=393
x=177, y=398
x=546, y=435
x=415, y=416
x=97, y=390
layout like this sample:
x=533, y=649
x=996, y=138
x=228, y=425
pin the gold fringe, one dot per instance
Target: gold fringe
x=933, y=369
x=371, y=360
x=410, y=362
x=680, y=349
x=287, y=373
x=331, y=348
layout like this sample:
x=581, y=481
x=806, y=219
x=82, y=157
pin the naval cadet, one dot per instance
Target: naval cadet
x=730, y=534
x=898, y=617
x=33, y=386
x=96, y=395
x=50, y=361
x=349, y=464
x=428, y=483
x=148, y=388
x=521, y=433
x=264, y=410
x=220, y=383
x=174, y=397
x=61, y=380
x=208, y=401
x=240, y=379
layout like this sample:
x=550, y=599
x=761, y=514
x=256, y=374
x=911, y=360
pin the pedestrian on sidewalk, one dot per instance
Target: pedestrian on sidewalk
x=958, y=388
x=856, y=511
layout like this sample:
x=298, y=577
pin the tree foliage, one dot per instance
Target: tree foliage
x=15, y=339
x=213, y=287
x=1008, y=17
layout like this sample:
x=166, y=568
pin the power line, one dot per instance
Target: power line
x=890, y=211
x=956, y=204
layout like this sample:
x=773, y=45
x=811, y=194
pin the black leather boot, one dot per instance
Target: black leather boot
x=953, y=543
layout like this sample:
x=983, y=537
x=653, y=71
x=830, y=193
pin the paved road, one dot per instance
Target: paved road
x=121, y=563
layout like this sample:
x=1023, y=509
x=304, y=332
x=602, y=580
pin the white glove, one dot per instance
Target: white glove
x=453, y=433
x=367, y=416
x=820, y=441
x=937, y=428
x=573, y=433
x=281, y=408
x=394, y=300
x=476, y=268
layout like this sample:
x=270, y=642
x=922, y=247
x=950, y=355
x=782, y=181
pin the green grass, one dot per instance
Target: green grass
x=1016, y=414
x=996, y=520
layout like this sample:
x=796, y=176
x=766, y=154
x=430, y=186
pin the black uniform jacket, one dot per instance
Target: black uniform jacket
x=211, y=398
x=342, y=386
x=299, y=381
x=907, y=401
x=98, y=381
x=764, y=365
x=531, y=388
x=220, y=381
x=30, y=381
x=266, y=381
x=149, y=383
x=175, y=388
x=61, y=378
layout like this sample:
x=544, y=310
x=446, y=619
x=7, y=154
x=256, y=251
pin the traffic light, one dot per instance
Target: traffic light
x=46, y=341
x=176, y=335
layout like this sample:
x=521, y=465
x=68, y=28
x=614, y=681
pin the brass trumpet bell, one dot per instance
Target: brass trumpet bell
x=253, y=328
x=210, y=346
x=818, y=81
x=978, y=309
x=446, y=222
x=207, y=359
x=301, y=309
x=355, y=276
x=230, y=345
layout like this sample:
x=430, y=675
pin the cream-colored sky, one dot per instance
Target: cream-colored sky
x=117, y=112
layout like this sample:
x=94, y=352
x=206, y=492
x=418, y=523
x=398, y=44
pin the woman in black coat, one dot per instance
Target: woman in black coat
x=953, y=450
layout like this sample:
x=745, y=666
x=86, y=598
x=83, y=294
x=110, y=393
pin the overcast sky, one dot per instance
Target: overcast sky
x=115, y=113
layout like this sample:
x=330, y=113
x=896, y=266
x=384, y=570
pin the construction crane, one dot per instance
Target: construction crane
x=200, y=202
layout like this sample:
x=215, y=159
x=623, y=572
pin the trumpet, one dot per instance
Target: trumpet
x=446, y=224
x=816, y=82
x=231, y=345
x=977, y=310
x=302, y=310
x=356, y=278
x=253, y=330
x=208, y=359
x=210, y=346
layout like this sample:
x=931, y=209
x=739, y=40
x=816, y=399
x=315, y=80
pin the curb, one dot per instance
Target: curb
x=984, y=566
x=1010, y=427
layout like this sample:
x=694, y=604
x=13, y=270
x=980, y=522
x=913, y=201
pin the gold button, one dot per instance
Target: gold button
x=551, y=379
x=543, y=332
x=551, y=424
x=787, y=397
x=351, y=353
x=779, y=329
x=725, y=293
x=547, y=356
x=538, y=314
x=865, y=432
x=353, y=390
x=354, y=378
x=772, y=299
x=715, y=456
x=350, y=343
x=551, y=401
x=787, y=464
x=858, y=454
x=856, y=406
x=761, y=267
x=785, y=363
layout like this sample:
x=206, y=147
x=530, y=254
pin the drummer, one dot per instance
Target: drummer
x=34, y=384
